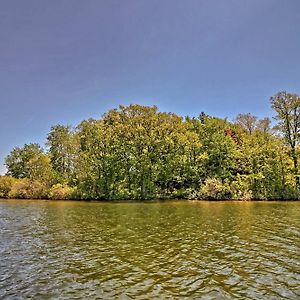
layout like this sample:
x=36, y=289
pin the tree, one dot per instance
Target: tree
x=218, y=146
x=40, y=169
x=247, y=122
x=264, y=125
x=138, y=152
x=63, y=150
x=287, y=107
x=17, y=162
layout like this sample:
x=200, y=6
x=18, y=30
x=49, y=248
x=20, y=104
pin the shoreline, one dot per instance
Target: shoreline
x=150, y=201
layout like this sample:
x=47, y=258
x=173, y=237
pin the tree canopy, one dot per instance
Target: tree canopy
x=138, y=152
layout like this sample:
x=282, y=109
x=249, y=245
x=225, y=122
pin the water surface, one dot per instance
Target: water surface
x=169, y=250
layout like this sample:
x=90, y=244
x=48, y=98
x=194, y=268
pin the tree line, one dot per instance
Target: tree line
x=138, y=152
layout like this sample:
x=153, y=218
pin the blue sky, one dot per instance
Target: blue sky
x=65, y=61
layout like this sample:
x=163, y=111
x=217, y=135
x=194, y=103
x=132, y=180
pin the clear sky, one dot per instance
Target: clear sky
x=65, y=61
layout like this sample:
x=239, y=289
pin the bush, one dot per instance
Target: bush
x=6, y=183
x=27, y=189
x=191, y=194
x=240, y=188
x=214, y=189
x=61, y=192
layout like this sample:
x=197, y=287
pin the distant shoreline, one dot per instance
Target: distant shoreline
x=151, y=201
x=136, y=152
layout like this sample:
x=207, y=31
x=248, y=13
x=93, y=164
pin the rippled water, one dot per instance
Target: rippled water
x=170, y=250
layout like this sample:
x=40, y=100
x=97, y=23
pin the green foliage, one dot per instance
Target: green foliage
x=137, y=152
x=27, y=189
x=218, y=149
x=40, y=168
x=287, y=107
x=240, y=188
x=17, y=162
x=60, y=192
x=63, y=151
x=214, y=189
x=6, y=183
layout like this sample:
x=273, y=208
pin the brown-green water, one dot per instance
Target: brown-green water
x=188, y=250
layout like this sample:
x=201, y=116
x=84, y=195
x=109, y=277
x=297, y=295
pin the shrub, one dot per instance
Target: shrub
x=61, y=192
x=27, y=189
x=240, y=188
x=6, y=183
x=214, y=189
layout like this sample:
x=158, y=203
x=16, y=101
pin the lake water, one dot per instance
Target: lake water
x=161, y=250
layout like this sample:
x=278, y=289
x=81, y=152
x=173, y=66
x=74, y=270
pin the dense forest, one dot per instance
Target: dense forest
x=137, y=152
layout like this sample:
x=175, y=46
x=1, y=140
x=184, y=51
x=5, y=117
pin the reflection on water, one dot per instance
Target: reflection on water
x=171, y=250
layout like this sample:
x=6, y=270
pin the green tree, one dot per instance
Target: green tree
x=18, y=161
x=40, y=169
x=287, y=107
x=138, y=152
x=63, y=151
x=219, y=147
